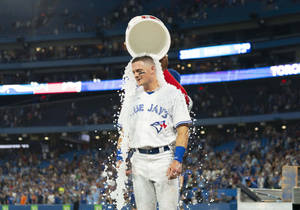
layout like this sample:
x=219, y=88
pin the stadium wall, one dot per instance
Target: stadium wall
x=210, y=206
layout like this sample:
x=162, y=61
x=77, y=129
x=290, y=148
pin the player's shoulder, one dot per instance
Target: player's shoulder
x=171, y=89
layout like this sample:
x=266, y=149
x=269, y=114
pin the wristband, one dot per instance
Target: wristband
x=119, y=155
x=179, y=152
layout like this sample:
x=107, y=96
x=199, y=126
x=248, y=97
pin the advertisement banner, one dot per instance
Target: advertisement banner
x=34, y=207
x=97, y=207
x=5, y=207
x=66, y=207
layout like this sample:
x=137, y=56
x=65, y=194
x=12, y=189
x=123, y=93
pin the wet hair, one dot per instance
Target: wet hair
x=144, y=58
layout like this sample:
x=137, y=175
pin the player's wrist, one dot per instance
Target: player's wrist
x=119, y=155
x=179, y=153
x=177, y=161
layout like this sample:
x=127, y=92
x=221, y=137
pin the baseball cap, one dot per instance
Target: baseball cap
x=175, y=74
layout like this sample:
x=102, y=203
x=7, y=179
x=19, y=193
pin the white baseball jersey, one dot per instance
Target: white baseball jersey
x=153, y=118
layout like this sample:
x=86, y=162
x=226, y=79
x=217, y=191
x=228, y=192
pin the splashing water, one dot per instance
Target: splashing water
x=118, y=193
x=121, y=180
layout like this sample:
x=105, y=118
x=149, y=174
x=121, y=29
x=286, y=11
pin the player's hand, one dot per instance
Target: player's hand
x=118, y=163
x=174, y=169
x=128, y=172
x=164, y=62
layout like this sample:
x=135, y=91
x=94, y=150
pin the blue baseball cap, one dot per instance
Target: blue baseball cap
x=175, y=74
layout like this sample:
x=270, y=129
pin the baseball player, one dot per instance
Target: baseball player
x=155, y=119
x=168, y=73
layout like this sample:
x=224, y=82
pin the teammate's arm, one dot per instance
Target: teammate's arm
x=170, y=79
x=120, y=140
x=175, y=168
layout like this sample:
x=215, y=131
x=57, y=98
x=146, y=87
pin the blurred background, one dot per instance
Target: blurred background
x=57, y=132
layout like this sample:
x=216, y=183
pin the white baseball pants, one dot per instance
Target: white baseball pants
x=151, y=184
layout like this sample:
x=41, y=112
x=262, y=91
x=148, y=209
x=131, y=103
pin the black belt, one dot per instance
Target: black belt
x=153, y=151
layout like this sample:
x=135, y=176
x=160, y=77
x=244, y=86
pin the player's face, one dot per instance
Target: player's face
x=142, y=72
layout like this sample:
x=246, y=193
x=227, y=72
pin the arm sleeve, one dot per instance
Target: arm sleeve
x=180, y=111
x=121, y=118
x=171, y=80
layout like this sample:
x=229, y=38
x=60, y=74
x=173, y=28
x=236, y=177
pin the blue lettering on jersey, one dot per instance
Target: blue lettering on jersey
x=149, y=110
x=158, y=110
x=138, y=108
x=153, y=108
x=161, y=109
x=166, y=114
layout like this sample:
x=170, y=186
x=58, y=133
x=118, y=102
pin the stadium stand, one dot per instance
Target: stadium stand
x=71, y=137
x=58, y=172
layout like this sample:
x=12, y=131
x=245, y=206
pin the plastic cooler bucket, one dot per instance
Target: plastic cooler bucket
x=147, y=34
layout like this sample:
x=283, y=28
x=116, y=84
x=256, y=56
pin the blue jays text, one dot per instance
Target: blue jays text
x=153, y=108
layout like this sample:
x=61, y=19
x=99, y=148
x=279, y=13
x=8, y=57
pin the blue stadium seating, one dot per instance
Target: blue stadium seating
x=86, y=12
